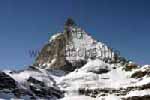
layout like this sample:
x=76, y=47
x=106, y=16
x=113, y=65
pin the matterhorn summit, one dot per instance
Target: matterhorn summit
x=72, y=65
x=72, y=48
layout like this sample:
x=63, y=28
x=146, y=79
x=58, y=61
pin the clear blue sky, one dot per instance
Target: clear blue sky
x=27, y=24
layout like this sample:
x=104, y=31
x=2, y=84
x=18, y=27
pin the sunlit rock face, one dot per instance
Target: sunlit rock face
x=71, y=49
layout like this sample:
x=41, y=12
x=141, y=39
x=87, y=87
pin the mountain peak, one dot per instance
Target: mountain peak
x=70, y=22
x=72, y=49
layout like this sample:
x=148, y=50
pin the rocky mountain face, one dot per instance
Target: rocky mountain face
x=71, y=49
x=73, y=65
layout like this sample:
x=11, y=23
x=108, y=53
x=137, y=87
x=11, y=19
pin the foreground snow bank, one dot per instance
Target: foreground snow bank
x=109, y=97
x=86, y=83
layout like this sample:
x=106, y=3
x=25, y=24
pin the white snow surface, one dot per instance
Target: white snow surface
x=83, y=45
x=116, y=78
x=82, y=78
x=53, y=37
x=138, y=93
x=23, y=76
x=95, y=65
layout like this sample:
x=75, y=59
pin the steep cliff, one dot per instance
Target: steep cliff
x=71, y=49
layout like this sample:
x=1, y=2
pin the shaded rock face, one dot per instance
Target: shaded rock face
x=41, y=90
x=6, y=82
x=146, y=97
x=53, y=53
x=139, y=74
x=130, y=67
x=100, y=71
x=29, y=89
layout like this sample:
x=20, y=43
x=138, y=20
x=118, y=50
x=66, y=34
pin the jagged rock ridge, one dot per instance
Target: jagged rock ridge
x=71, y=49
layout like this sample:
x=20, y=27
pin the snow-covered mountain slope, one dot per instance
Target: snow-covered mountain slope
x=28, y=84
x=96, y=80
x=116, y=83
x=73, y=65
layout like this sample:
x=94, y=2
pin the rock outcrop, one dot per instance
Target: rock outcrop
x=26, y=85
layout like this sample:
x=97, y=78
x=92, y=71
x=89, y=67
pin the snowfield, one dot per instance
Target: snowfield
x=87, y=78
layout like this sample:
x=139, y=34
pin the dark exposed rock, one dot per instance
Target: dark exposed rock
x=69, y=22
x=54, y=50
x=95, y=92
x=100, y=71
x=35, y=88
x=9, y=86
x=18, y=92
x=6, y=82
x=33, y=68
x=130, y=66
x=46, y=92
x=118, y=92
x=146, y=97
x=139, y=74
x=145, y=86
x=34, y=81
x=40, y=90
